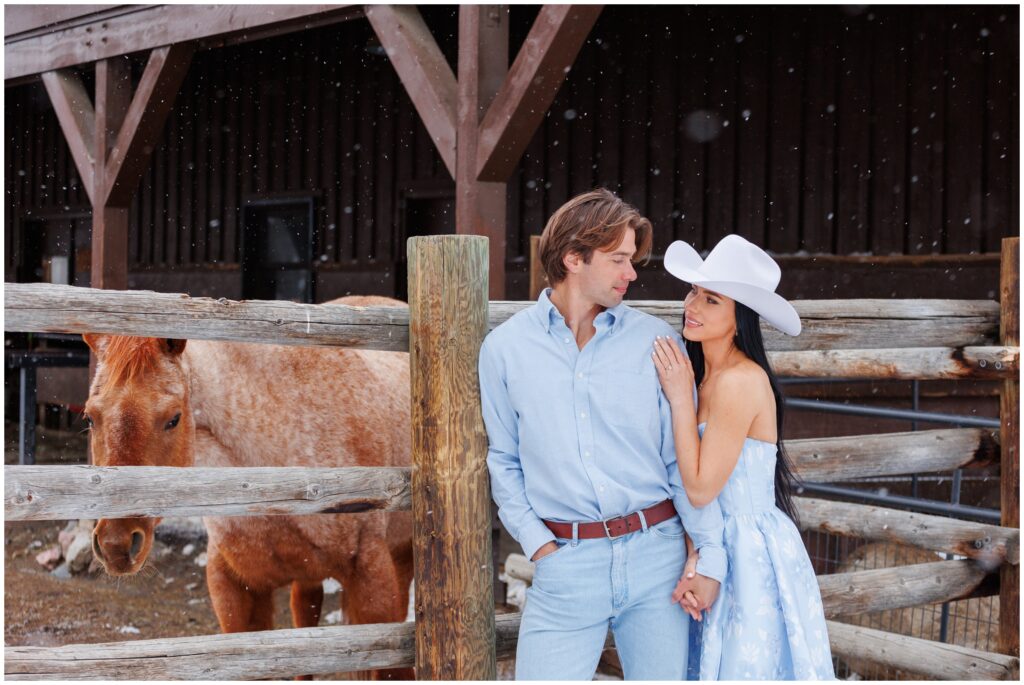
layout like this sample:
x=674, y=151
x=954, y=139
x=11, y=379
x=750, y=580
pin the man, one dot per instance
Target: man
x=582, y=460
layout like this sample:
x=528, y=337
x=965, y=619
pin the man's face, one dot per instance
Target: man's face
x=608, y=275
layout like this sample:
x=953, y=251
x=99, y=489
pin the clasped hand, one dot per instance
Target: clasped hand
x=695, y=593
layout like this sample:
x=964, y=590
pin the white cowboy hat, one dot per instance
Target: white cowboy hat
x=740, y=270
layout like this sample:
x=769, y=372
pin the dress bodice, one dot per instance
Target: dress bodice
x=751, y=486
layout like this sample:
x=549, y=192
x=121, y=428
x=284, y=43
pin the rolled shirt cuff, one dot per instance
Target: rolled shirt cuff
x=712, y=563
x=534, y=535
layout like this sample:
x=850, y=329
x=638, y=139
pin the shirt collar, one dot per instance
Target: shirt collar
x=547, y=313
x=615, y=316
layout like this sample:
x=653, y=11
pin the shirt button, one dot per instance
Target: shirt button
x=586, y=454
x=583, y=414
x=602, y=488
x=567, y=340
x=580, y=374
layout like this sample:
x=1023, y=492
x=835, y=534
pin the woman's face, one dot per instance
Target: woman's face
x=708, y=315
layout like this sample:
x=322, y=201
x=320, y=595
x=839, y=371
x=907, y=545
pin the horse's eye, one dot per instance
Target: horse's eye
x=88, y=420
x=173, y=422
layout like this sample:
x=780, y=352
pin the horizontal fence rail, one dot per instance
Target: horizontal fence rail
x=828, y=460
x=270, y=654
x=911, y=363
x=56, y=491
x=882, y=589
x=991, y=545
x=282, y=653
x=858, y=592
x=934, y=660
x=273, y=654
x=939, y=338
x=44, y=307
x=53, y=492
x=851, y=324
x=40, y=493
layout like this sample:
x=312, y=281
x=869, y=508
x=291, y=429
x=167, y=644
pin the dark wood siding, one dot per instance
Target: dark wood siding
x=812, y=130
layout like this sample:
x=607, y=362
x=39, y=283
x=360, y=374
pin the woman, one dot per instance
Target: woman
x=768, y=622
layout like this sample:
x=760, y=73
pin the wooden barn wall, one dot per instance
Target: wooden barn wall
x=828, y=130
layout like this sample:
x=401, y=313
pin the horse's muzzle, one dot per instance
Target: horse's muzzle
x=121, y=550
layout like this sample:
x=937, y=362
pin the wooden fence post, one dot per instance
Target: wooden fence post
x=1009, y=415
x=537, y=278
x=448, y=304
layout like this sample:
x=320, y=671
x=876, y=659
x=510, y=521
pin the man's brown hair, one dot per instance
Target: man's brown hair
x=596, y=220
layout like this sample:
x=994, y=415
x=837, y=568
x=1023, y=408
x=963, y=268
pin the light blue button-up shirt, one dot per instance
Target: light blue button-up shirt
x=583, y=435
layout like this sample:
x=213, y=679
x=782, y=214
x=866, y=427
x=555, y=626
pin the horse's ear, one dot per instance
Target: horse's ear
x=173, y=346
x=97, y=342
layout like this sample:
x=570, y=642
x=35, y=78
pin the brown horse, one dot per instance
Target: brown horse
x=159, y=402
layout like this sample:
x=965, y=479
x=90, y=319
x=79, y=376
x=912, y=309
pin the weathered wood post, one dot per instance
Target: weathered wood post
x=1009, y=415
x=448, y=298
x=537, y=282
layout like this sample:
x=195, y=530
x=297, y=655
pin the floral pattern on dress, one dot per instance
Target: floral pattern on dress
x=768, y=622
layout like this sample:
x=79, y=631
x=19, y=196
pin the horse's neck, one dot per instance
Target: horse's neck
x=203, y=397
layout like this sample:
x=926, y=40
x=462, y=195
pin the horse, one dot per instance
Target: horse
x=168, y=402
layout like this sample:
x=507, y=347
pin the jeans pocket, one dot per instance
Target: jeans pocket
x=561, y=546
x=671, y=529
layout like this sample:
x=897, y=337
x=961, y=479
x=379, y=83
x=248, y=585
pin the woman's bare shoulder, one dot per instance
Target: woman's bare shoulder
x=746, y=372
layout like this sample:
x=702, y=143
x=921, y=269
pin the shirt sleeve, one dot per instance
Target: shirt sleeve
x=705, y=525
x=508, y=486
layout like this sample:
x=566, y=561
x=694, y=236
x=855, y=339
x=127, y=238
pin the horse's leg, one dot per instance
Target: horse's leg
x=238, y=607
x=400, y=543
x=373, y=593
x=306, y=601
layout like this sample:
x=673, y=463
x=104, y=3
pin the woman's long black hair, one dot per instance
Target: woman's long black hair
x=751, y=343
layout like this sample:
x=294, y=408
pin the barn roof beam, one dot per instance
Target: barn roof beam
x=423, y=70
x=536, y=75
x=482, y=121
x=112, y=140
x=141, y=123
x=137, y=28
x=77, y=119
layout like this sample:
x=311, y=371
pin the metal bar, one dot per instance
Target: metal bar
x=954, y=496
x=915, y=404
x=888, y=413
x=27, y=417
x=954, y=499
x=900, y=502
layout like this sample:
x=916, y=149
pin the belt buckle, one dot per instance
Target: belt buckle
x=608, y=532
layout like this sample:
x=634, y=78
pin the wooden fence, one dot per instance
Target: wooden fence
x=456, y=634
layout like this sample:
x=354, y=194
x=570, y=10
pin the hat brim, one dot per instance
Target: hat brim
x=683, y=262
x=771, y=307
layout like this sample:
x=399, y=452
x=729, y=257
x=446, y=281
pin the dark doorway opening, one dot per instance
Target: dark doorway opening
x=423, y=212
x=277, y=250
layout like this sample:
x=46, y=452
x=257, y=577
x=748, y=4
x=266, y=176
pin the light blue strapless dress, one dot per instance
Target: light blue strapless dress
x=768, y=622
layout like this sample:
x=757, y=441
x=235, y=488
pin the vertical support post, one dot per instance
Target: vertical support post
x=1009, y=416
x=109, y=248
x=109, y=224
x=480, y=207
x=451, y=500
x=536, y=268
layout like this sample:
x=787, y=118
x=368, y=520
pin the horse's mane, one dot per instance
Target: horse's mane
x=126, y=357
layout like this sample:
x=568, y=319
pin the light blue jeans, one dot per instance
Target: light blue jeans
x=588, y=585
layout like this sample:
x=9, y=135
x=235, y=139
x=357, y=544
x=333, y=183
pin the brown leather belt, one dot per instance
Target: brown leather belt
x=616, y=527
